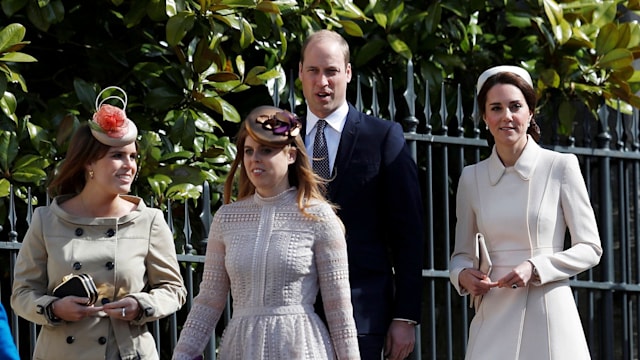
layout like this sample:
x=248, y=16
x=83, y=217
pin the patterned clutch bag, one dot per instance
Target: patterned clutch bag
x=81, y=285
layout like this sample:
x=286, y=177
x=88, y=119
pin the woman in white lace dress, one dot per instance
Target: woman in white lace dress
x=274, y=249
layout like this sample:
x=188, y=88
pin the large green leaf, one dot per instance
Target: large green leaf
x=162, y=97
x=205, y=123
x=399, y=46
x=246, y=34
x=86, y=94
x=177, y=155
x=562, y=31
x=11, y=35
x=553, y=12
x=17, y=57
x=38, y=137
x=8, y=149
x=350, y=10
x=157, y=10
x=181, y=174
x=434, y=16
x=221, y=106
x=5, y=187
x=185, y=191
x=178, y=26
x=10, y=7
x=380, y=17
x=136, y=13
x=604, y=13
x=369, y=51
x=8, y=104
x=607, y=39
x=566, y=115
x=32, y=175
x=616, y=59
x=253, y=76
x=31, y=161
x=268, y=7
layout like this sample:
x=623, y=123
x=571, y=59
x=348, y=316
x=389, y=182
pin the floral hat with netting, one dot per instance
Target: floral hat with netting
x=110, y=124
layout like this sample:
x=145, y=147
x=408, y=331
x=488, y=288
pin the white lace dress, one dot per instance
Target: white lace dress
x=274, y=260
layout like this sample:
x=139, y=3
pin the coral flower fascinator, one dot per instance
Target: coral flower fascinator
x=110, y=124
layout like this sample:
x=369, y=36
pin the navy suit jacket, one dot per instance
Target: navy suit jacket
x=375, y=184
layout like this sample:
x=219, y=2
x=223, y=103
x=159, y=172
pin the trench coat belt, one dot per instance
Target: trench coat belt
x=126, y=346
x=273, y=310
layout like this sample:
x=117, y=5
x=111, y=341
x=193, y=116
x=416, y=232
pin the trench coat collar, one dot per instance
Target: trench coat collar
x=524, y=166
x=55, y=207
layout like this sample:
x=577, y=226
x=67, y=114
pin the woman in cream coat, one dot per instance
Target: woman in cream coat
x=522, y=199
x=95, y=229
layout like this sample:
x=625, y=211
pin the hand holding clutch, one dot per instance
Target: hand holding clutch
x=81, y=285
x=481, y=262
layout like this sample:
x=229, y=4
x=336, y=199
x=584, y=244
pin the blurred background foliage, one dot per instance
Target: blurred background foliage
x=193, y=69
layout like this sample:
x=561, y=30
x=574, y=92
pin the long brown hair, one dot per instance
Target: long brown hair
x=70, y=177
x=309, y=185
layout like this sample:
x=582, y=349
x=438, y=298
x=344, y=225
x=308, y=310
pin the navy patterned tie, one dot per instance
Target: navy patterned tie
x=320, y=152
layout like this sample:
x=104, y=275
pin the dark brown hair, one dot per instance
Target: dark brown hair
x=70, y=177
x=527, y=91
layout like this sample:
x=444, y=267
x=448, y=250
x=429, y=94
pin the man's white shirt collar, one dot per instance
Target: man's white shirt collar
x=336, y=120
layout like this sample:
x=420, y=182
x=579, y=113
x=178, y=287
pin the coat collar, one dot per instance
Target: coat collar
x=56, y=209
x=524, y=166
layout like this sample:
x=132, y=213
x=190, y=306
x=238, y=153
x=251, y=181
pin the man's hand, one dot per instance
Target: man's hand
x=401, y=339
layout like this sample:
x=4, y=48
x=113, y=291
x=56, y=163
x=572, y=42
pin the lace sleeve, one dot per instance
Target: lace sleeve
x=331, y=259
x=209, y=303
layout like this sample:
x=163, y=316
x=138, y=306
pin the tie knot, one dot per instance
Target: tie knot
x=321, y=124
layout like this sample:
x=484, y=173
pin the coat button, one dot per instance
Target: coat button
x=40, y=309
x=70, y=339
x=111, y=232
x=149, y=311
x=79, y=232
x=109, y=265
x=77, y=265
x=105, y=301
x=102, y=340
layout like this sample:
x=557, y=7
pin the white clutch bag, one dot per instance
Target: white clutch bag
x=481, y=262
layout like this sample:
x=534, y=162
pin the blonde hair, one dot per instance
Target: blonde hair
x=309, y=185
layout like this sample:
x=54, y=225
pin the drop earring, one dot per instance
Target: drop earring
x=91, y=173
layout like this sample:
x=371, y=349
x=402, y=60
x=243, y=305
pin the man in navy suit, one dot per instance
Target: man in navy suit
x=374, y=182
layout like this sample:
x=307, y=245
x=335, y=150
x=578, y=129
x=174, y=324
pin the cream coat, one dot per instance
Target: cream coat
x=524, y=212
x=130, y=256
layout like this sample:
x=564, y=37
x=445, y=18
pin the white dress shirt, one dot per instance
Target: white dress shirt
x=332, y=132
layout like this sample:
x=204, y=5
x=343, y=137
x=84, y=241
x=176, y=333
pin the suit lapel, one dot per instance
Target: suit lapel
x=345, y=149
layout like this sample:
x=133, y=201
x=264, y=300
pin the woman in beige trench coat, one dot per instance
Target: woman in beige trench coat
x=94, y=228
x=522, y=199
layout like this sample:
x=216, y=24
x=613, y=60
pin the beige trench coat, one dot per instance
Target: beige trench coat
x=524, y=212
x=130, y=256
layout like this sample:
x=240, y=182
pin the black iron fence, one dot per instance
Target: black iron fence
x=607, y=296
